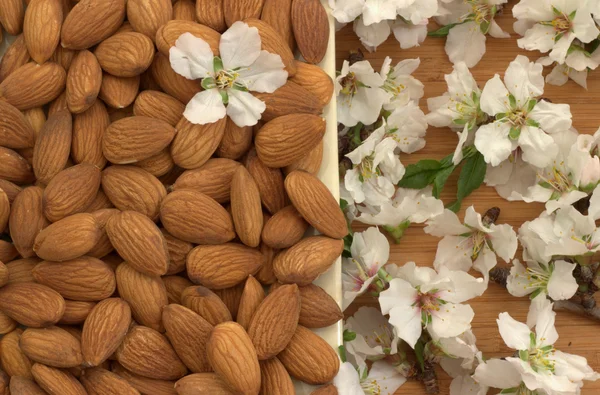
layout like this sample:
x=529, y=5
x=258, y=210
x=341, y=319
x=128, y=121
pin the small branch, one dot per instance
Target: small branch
x=578, y=308
x=429, y=379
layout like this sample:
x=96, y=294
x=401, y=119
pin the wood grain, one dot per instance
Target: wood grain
x=577, y=334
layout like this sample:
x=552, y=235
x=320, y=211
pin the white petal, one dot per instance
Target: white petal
x=538, y=38
x=504, y=241
x=558, y=76
x=534, y=10
x=553, y=118
x=354, y=185
x=400, y=292
x=514, y=333
x=473, y=220
x=407, y=321
x=367, y=104
x=494, y=97
x=462, y=139
x=376, y=11
x=544, y=327
x=205, y=107
x=266, y=74
x=345, y=11
x=461, y=82
x=373, y=35
x=454, y=253
x=584, y=27
x=240, y=46
x=486, y=261
x=518, y=282
x=594, y=209
x=497, y=373
x=466, y=385
x=191, y=57
x=445, y=224
x=580, y=61
x=496, y=31
x=407, y=35
x=347, y=380
x=562, y=285
x=538, y=148
x=451, y=320
x=244, y=109
x=538, y=304
x=388, y=379
x=463, y=286
x=561, y=48
x=574, y=367
x=465, y=43
x=493, y=142
x=524, y=79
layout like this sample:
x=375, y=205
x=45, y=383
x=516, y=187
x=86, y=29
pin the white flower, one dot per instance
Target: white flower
x=512, y=177
x=574, y=234
x=521, y=120
x=375, y=337
x=409, y=35
x=370, y=251
x=360, y=97
x=416, y=11
x=498, y=373
x=227, y=80
x=530, y=237
x=554, y=279
x=382, y=379
x=467, y=385
x=584, y=161
x=474, y=244
x=407, y=126
x=373, y=35
x=400, y=83
x=594, y=209
x=422, y=298
x=372, y=11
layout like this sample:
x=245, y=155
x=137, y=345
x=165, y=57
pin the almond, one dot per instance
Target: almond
x=273, y=42
x=315, y=80
x=68, y=238
x=275, y=380
x=83, y=82
x=88, y=130
x=98, y=381
x=144, y=384
x=325, y=390
x=158, y=165
x=51, y=346
x=201, y=383
x=315, y=202
x=175, y=286
x=15, y=131
x=14, y=362
x=284, y=229
x=278, y=14
x=310, y=163
x=188, y=333
x=252, y=297
x=14, y=167
x=184, y=10
x=125, y=54
x=231, y=297
x=192, y=216
x=148, y=353
x=104, y=330
x=56, y=381
x=33, y=85
x=7, y=324
x=53, y=145
x=237, y=10
x=168, y=33
x=291, y=98
x=212, y=179
x=222, y=266
x=83, y=28
x=27, y=220
x=210, y=13
x=177, y=250
x=63, y=56
x=4, y=214
x=139, y=241
x=194, y=144
x=318, y=308
x=11, y=189
x=172, y=83
x=20, y=270
x=118, y=92
x=266, y=275
x=100, y=202
x=59, y=104
x=154, y=104
x=4, y=383
x=233, y=358
x=236, y=141
x=71, y=191
x=147, y=81
x=132, y=188
x=205, y=303
x=12, y=13
x=246, y=208
x=76, y=312
x=146, y=16
x=311, y=29
x=24, y=386
x=269, y=182
x=146, y=295
x=277, y=142
x=16, y=55
x=41, y=28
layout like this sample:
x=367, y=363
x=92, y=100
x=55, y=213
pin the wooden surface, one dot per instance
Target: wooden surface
x=577, y=335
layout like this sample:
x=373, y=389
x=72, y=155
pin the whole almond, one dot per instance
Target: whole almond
x=168, y=33
x=193, y=216
x=33, y=85
x=238, y=10
x=56, y=381
x=41, y=28
x=125, y=54
x=269, y=182
x=315, y=80
x=15, y=131
x=315, y=202
x=98, y=381
x=277, y=142
x=146, y=295
x=307, y=260
x=15, y=168
x=213, y=179
x=76, y=312
x=27, y=220
x=210, y=13
x=236, y=141
x=12, y=13
x=146, y=16
x=252, y=297
x=68, y=238
x=184, y=10
x=103, y=247
x=318, y=308
x=11, y=189
x=7, y=324
x=86, y=279
x=178, y=250
x=278, y=14
x=222, y=266
x=194, y=144
x=291, y=98
x=275, y=380
x=100, y=202
x=159, y=105
x=273, y=42
x=139, y=241
x=246, y=209
x=59, y=104
x=197, y=383
x=309, y=358
x=52, y=148
x=4, y=215
x=51, y=346
x=88, y=130
x=233, y=358
x=284, y=229
x=83, y=82
x=104, y=330
x=328, y=389
x=144, y=384
x=24, y=386
x=175, y=286
x=206, y=304
x=4, y=383
x=20, y=270
x=266, y=275
x=63, y=56
x=158, y=165
x=146, y=352
x=188, y=333
x=83, y=28
x=14, y=362
x=231, y=297
x=16, y=55
x=172, y=83
x=118, y=92
x=310, y=163
x=311, y=29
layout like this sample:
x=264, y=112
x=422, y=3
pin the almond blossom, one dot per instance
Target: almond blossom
x=554, y=279
x=400, y=83
x=381, y=379
x=375, y=337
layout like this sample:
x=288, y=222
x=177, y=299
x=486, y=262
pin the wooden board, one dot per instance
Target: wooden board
x=577, y=335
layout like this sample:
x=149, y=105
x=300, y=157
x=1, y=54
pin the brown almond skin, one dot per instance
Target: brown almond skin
x=83, y=82
x=146, y=295
x=318, y=308
x=188, y=333
x=168, y=33
x=211, y=14
x=76, y=312
x=51, y=346
x=63, y=56
x=310, y=163
x=36, y=117
x=16, y=55
x=14, y=361
x=273, y=42
x=278, y=14
x=172, y=83
x=159, y=105
x=139, y=241
x=233, y=358
x=132, y=188
x=275, y=380
x=315, y=80
x=266, y=275
x=144, y=384
x=20, y=270
x=198, y=383
x=98, y=381
x=7, y=324
x=15, y=168
x=83, y=28
x=68, y=238
x=275, y=321
x=231, y=297
x=195, y=217
x=277, y=142
x=236, y=141
x=118, y=92
x=33, y=85
x=311, y=29
x=59, y=104
x=252, y=297
x=177, y=251
x=206, y=304
x=15, y=131
x=24, y=386
x=158, y=165
x=146, y=16
x=195, y=144
x=148, y=353
x=11, y=16
x=41, y=28
x=184, y=10
x=326, y=390
x=56, y=381
x=104, y=330
x=316, y=204
x=240, y=10
x=4, y=274
x=4, y=214
x=269, y=182
x=8, y=252
x=11, y=190
x=53, y=145
x=103, y=247
x=30, y=304
x=212, y=179
x=222, y=266
x=88, y=129
x=284, y=229
x=125, y=54
x=291, y=98
x=175, y=286
x=246, y=209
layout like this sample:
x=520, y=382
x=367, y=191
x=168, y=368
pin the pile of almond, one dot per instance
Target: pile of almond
x=136, y=248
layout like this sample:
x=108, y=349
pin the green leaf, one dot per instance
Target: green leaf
x=440, y=180
x=419, y=353
x=347, y=253
x=471, y=176
x=500, y=116
x=514, y=133
x=420, y=174
x=593, y=46
x=343, y=204
x=485, y=27
x=509, y=390
x=455, y=206
x=342, y=352
x=556, y=11
x=512, y=100
x=524, y=355
x=532, y=340
x=224, y=96
x=349, y=335
x=444, y=30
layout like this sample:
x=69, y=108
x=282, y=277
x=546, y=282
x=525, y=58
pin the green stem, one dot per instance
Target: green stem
x=397, y=231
